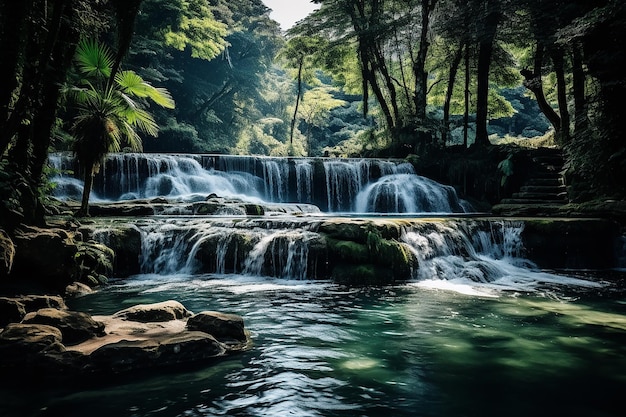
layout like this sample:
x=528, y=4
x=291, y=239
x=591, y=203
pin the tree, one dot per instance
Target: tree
x=299, y=53
x=488, y=26
x=38, y=41
x=108, y=115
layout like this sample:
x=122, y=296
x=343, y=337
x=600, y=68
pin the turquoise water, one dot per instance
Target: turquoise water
x=325, y=350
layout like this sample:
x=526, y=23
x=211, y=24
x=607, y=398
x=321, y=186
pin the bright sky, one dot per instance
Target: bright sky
x=288, y=12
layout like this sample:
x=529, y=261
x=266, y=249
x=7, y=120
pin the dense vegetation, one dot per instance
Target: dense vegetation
x=357, y=77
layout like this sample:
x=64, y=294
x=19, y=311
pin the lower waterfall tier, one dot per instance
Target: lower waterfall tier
x=356, y=251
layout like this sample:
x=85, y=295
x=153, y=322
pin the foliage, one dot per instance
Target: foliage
x=108, y=116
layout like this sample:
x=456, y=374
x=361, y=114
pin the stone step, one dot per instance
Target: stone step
x=549, y=160
x=541, y=196
x=533, y=201
x=546, y=176
x=545, y=182
x=548, y=189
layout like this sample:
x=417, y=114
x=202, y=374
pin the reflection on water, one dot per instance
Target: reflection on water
x=325, y=350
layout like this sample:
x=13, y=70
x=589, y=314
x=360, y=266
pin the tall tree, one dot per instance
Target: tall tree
x=40, y=45
x=487, y=28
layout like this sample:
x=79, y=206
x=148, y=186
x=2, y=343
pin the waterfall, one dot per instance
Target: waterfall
x=407, y=193
x=304, y=180
x=223, y=247
x=460, y=255
x=334, y=185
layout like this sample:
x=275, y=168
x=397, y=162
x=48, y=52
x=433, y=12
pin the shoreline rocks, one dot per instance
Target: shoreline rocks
x=60, y=343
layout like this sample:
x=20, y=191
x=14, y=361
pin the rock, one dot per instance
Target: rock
x=33, y=349
x=224, y=327
x=55, y=257
x=167, y=350
x=77, y=289
x=158, y=312
x=7, y=254
x=125, y=241
x=76, y=327
x=37, y=302
x=11, y=311
x=22, y=339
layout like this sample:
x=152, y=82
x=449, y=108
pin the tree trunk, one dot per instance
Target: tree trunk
x=485, y=50
x=467, y=95
x=13, y=36
x=126, y=12
x=84, y=204
x=419, y=71
x=298, y=95
x=532, y=81
x=578, y=88
x=557, y=61
x=454, y=67
x=64, y=40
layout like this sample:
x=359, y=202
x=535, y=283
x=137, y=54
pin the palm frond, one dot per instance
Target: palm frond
x=94, y=59
x=131, y=83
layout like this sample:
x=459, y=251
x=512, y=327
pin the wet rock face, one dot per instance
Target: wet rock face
x=54, y=258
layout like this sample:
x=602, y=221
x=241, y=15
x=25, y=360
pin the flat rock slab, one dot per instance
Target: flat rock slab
x=63, y=343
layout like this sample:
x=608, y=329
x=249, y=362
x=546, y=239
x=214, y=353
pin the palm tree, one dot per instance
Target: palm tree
x=110, y=115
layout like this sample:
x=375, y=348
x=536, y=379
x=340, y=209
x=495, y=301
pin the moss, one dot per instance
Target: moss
x=254, y=210
x=346, y=250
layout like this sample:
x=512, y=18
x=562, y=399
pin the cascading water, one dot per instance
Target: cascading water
x=465, y=256
x=192, y=247
x=459, y=255
x=334, y=185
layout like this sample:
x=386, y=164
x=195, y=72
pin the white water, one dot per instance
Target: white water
x=472, y=257
x=351, y=185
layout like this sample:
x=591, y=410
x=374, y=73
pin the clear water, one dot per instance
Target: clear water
x=325, y=350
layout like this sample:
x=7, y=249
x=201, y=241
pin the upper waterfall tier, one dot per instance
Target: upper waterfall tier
x=333, y=184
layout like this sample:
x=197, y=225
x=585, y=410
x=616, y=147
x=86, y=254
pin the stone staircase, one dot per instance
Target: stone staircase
x=543, y=189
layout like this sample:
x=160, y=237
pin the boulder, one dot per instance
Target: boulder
x=7, y=254
x=157, y=312
x=76, y=327
x=55, y=257
x=45, y=343
x=19, y=339
x=37, y=302
x=125, y=241
x=77, y=289
x=158, y=351
x=224, y=327
x=13, y=309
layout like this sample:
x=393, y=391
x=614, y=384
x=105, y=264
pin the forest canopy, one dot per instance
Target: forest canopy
x=355, y=78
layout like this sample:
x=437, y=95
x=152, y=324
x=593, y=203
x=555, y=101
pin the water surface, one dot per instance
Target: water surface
x=325, y=350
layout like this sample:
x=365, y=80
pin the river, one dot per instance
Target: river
x=321, y=349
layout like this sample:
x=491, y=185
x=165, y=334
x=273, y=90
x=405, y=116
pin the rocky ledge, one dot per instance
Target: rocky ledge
x=60, y=343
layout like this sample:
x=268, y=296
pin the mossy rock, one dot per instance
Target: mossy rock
x=254, y=210
x=348, y=251
x=365, y=274
x=358, y=230
x=206, y=208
